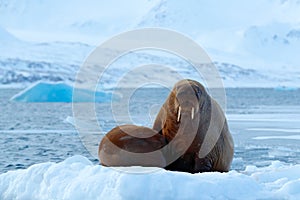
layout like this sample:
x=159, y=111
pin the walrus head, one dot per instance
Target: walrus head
x=186, y=105
x=188, y=99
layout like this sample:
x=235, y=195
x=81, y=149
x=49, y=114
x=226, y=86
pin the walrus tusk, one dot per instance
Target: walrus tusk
x=192, y=113
x=179, y=113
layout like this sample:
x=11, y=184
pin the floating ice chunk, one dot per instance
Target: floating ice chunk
x=60, y=92
x=285, y=88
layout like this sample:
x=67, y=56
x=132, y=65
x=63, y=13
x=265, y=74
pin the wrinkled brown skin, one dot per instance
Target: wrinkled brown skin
x=220, y=157
x=135, y=139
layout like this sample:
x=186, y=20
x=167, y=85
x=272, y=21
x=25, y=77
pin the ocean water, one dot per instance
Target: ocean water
x=265, y=124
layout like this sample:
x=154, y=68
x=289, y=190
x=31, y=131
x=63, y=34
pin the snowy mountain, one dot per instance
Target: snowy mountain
x=249, y=50
x=71, y=20
x=22, y=63
x=259, y=30
x=6, y=37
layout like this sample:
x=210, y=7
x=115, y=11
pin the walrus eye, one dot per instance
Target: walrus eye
x=198, y=92
x=178, y=113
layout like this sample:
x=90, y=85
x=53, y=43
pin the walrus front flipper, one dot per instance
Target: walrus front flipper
x=202, y=165
x=182, y=164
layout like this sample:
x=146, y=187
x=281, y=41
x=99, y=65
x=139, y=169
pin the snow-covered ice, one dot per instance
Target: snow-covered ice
x=59, y=92
x=77, y=178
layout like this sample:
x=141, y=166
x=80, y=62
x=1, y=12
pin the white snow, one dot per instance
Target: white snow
x=6, y=37
x=88, y=22
x=78, y=178
x=59, y=92
x=269, y=39
x=258, y=50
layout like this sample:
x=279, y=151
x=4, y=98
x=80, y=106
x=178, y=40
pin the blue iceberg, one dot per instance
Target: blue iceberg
x=60, y=92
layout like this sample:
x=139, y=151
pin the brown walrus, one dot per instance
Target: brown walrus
x=198, y=122
x=130, y=145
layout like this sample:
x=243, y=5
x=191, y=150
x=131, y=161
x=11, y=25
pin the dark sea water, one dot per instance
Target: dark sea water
x=32, y=133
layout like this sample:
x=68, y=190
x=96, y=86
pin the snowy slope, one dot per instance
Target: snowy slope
x=6, y=37
x=261, y=34
x=78, y=178
x=70, y=20
x=249, y=50
x=26, y=62
x=22, y=63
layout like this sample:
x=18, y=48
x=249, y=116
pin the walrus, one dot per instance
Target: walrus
x=204, y=137
x=131, y=145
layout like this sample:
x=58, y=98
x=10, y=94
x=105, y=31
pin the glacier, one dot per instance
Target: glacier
x=60, y=92
x=77, y=178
